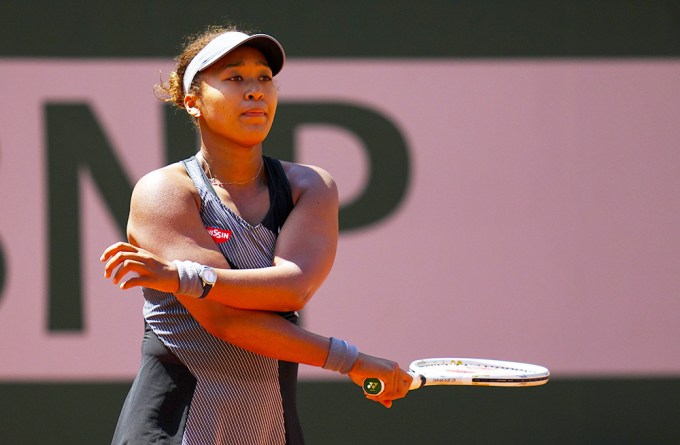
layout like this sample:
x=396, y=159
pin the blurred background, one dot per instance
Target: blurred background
x=509, y=176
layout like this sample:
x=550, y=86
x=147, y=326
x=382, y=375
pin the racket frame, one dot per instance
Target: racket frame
x=467, y=371
x=471, y=371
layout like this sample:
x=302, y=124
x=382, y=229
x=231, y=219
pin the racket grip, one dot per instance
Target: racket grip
x=373, y=386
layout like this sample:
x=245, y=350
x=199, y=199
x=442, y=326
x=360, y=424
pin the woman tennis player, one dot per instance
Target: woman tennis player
x=227, y=246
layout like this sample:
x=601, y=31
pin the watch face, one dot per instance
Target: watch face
x=209, y=275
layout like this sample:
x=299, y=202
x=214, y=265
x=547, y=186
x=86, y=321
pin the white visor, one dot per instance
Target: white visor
x=227, y=42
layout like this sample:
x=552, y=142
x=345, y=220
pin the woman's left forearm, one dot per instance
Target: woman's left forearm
x=281, y=287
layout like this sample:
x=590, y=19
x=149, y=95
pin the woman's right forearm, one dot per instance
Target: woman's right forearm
x=269, y=334
x=261, y=332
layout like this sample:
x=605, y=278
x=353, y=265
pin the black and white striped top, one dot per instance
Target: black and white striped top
x=240, y=397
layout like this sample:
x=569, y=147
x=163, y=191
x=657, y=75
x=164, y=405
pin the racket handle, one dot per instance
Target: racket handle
x=374, y=386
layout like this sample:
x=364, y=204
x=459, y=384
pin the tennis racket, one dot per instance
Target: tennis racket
x=467, y=371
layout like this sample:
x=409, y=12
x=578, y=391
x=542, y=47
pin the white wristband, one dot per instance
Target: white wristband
x=341, y=356
x=190, y=282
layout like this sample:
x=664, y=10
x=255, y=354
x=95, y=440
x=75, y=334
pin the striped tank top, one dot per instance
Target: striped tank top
x=238, y=397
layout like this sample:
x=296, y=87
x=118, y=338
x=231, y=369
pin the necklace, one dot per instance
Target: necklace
x=216, y=182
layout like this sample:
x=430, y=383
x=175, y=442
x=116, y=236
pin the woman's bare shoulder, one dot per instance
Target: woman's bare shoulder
x=167, y=187
x=173, y=176
x=304, y=178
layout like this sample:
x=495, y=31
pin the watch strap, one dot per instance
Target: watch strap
x=206, y=290
x=207, y=283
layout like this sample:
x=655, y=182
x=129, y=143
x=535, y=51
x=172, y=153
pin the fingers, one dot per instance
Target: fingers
x=124, y=254
x=128, y=266
x=407, y=380
x=119, y=259
x=123, y=258
x=115, y=248
x=396, y=381
x=114, y=255
x=395, y=385
x=135, y=281
x=385, y=403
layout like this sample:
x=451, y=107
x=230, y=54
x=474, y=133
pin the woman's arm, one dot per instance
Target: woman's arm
x=168, y=223
x=304, y=253
x=164, y=219
x=261, y=332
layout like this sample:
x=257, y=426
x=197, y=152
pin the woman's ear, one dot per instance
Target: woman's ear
x=191, y=105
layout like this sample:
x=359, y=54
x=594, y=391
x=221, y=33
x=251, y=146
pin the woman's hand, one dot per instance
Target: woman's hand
x=397, y=381
x=148, y=269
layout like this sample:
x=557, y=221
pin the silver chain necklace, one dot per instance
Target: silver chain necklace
x=216, y=182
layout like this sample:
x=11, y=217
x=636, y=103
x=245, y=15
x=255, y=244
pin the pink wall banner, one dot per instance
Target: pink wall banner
x=541, y=221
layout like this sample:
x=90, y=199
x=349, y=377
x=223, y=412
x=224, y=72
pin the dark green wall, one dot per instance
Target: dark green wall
x=607, y=411
x=376, y=28
x=566, y=411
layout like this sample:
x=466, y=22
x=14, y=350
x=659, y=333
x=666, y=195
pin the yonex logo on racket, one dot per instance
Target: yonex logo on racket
x=219, y=235
x=373, y=386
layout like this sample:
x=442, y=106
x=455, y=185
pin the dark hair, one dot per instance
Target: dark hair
x=172, y=92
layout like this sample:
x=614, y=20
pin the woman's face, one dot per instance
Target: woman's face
x=238, y=97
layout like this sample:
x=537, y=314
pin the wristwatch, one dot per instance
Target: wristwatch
x=209, y=276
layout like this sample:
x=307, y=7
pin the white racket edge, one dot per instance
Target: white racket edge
x=468, y=372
